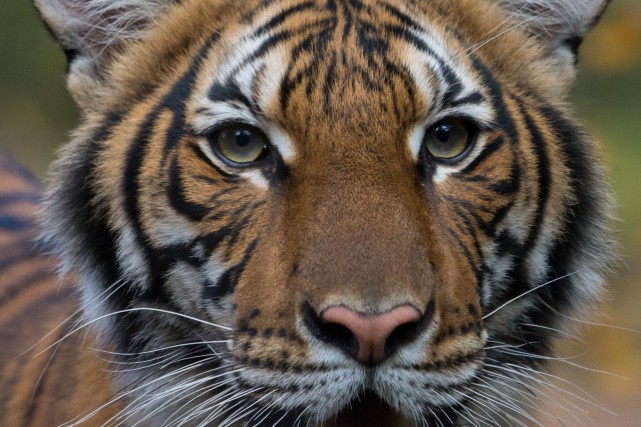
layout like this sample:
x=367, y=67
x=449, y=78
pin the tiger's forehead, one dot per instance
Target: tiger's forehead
x=367, y=68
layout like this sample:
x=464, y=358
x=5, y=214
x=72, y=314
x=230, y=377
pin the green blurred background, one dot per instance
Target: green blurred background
x=37, y=114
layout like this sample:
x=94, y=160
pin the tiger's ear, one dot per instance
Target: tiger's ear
x=90, y=32
x=558, y=24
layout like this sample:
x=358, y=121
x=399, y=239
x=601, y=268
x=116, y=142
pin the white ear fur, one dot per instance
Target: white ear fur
x=92, y=27
x=556, y=22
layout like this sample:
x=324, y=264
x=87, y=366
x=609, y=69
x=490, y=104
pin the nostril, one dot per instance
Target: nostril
x=401, y=335
x=408, y=332
x=331, y=333
x=337, y=332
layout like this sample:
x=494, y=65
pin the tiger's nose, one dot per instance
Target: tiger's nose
x=368, y=338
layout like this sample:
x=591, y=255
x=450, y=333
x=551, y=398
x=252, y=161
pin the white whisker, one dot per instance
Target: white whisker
x=529, y=291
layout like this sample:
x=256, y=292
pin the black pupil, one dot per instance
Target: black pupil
x=243, y=137
x=443, y=133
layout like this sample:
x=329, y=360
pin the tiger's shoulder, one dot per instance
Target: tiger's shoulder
x=42, y=366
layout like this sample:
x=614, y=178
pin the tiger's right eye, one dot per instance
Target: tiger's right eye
x=239, y=145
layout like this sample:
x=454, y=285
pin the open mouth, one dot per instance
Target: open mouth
x=368, y=410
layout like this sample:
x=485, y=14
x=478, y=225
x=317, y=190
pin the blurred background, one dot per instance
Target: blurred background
x=604, y=366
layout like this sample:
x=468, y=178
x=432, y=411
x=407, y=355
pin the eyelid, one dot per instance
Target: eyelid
x=216, y=126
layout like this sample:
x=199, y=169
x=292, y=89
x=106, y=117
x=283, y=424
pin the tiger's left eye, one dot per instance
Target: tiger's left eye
x=449, y=138
x=240, y=145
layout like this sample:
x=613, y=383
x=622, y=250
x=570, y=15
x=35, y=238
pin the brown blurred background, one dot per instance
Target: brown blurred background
x=36, y=116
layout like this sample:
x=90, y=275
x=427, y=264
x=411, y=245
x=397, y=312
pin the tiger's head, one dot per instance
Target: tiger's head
x=327, y=212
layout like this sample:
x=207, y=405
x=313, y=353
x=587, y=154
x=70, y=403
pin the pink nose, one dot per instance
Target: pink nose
x=372, y=331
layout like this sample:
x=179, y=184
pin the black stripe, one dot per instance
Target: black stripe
x=130, y=178
x=507, y=244
x=212, y=241
x=281, y=16
x=316, y=41
x=330, y=79
x=239, y=225
x=227, y=283
x=469, y=227
x=468, y=255
x=503, y=116
x=402, y=17
x=89, y=222
x=488, y=150
x=504, y=187
x=229, y=92
x=349, y=22
x=176, y=195
x=454, y=84
x=454, y=87
x=499, y=215
x=175, y=99
x=214, y=198
x=471, y=99
x=544, y=179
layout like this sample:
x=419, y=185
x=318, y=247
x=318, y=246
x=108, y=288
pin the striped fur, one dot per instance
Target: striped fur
x=204, y=282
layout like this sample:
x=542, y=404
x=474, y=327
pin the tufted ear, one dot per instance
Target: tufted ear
x=91, y=31
x=558, y=24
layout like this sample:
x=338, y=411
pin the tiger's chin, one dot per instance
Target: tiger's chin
x=368, y=410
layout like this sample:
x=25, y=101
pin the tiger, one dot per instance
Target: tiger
x=327, y=213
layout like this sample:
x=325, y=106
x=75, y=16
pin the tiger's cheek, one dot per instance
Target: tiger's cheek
x=267, y=306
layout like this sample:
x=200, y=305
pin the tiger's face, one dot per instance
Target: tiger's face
x=326, y=212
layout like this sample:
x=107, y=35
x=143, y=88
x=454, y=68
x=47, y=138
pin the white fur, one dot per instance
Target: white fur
x=213, y=113
x=96, y=24
x=130, y=258
x=554, y=19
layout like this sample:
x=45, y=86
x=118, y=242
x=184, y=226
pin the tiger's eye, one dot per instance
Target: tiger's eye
x=240, y=145
x=448, y=138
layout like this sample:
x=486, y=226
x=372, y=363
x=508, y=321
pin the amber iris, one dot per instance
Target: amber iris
x=448, y=138
x=240, y=145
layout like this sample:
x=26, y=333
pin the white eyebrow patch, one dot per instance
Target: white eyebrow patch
x=280, y=141
x=267, y=90
x=211, y=114
x=416, y=141
x=274, y=69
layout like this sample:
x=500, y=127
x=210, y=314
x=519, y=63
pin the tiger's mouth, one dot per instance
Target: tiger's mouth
x=368, y=410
